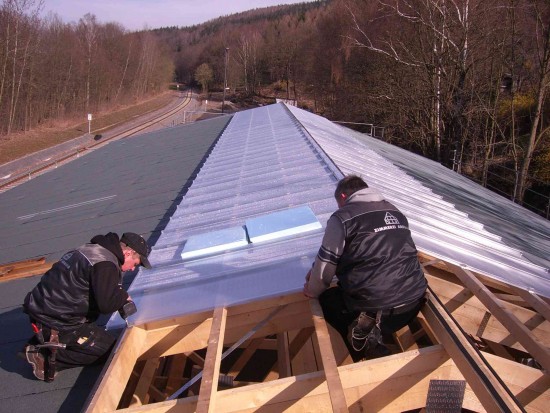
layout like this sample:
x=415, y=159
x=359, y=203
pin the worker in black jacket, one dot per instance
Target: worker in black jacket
x=63, y=307
x=367, y=245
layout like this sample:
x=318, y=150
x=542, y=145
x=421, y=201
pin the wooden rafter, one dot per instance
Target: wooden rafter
x=211, y=372
x=438, y=351
x=336, y=391
x=469, y=311
x=480, y=377
x=506, y=317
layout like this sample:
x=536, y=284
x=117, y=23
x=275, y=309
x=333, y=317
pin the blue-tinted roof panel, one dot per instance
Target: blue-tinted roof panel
x=282, y=224
x=212, y=242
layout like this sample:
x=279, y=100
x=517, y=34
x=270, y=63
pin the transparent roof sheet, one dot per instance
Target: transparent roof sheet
x=450, y=216
x=215, y=241
x=275, y=158
x=282, y=224
x=264, y=163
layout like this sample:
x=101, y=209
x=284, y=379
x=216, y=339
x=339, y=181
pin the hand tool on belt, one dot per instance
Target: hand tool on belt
x=51, y=346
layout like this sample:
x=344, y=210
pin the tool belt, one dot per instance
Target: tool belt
x=50, y=346
x=366, y=332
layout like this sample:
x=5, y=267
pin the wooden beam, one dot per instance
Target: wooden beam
x=22, y=269
x=175, y=373
x=195, y=358
x=211, y=372
x=33, y=262
x=306, y=360
x=530, y=386
x=538, y=303
x=406, y=339
x=283, y=356
x=141, y=394
x=487, y=387
x=193, y=333
x=335, y=389
x=390, y=384
x=506, y=317
x=118, y=370
x=301, y=351
x=469, y=312
x=245, y=356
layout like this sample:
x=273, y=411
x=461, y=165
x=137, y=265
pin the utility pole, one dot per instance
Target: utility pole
x=225, y=77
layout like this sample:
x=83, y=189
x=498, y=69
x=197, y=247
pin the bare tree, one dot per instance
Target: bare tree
x=436, y=46
x=538, y=128
x=88, y=32
x=19, y=41
x=247, y=57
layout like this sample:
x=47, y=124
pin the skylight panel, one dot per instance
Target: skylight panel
x=282, y=224
x=213, y=242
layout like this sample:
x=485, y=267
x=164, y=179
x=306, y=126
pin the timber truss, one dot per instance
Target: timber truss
x=478, y=345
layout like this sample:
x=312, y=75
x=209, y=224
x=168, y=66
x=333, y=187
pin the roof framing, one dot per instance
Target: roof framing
x=313, y=372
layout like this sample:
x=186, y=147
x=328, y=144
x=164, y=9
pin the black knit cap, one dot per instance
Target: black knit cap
x=139, y=245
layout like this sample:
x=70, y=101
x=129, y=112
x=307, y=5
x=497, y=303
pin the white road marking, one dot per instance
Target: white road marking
x=50, y=211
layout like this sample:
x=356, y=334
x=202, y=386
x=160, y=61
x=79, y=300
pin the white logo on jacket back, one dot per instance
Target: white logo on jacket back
x=391, y=223
x=389, y=219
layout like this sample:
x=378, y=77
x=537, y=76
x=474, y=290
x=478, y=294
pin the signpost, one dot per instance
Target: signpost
x=89, y=123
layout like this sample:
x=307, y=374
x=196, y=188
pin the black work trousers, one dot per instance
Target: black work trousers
x=338, y=316
x=86, y=344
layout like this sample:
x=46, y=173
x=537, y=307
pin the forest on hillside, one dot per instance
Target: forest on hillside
x=463, y=82
x=51, y=70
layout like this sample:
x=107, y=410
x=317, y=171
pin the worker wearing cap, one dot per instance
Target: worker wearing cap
x=83, y=284
x=381, y=286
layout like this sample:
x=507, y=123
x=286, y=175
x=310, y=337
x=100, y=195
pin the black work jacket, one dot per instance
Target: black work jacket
x=379, y=267
x=79, y=287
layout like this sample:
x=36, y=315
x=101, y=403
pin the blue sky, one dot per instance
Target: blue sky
x=138, y=14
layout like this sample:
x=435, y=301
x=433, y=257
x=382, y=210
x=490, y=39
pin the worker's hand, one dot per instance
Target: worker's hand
x=306, y=292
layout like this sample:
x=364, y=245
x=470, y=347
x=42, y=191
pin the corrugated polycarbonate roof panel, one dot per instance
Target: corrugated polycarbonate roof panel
x=449, y=216
x=275, y=158
x=262, y=164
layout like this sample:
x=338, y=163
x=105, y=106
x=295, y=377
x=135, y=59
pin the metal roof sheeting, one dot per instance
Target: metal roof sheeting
x=278, y=157
x=450, y=216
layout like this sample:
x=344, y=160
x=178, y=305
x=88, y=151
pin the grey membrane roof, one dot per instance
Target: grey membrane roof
x=129, y=185
x=277, y=158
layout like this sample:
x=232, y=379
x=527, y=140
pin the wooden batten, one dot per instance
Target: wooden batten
x=22, y=269
x=334, y=383
x=470, y=330
x=211, y=372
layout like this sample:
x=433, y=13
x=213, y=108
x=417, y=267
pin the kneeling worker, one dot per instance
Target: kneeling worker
x=381, y=286
x=64, y=306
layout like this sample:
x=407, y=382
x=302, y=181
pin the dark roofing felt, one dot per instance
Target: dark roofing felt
x=129, y=185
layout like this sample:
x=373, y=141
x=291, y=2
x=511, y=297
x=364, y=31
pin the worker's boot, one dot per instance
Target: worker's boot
x=37, y=361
